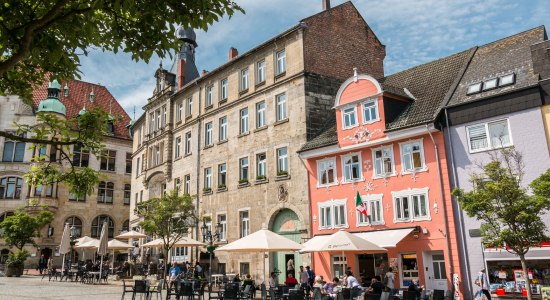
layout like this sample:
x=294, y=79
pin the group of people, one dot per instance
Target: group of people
x=176, y=272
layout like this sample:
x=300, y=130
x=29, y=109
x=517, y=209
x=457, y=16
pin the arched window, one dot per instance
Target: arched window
x=105, y=192
x=126, y=226
x=97, y=223
x=10, y=187
x=3, y=216
x=77, y=223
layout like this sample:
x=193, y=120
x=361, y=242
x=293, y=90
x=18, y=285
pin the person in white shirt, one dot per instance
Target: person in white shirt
x=273, y=282
x=389, y=280
x=303, y=277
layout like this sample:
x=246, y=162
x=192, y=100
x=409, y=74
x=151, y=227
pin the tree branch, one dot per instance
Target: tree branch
x=37, y=141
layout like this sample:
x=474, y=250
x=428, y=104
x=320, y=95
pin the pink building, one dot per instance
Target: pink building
x=385, y=145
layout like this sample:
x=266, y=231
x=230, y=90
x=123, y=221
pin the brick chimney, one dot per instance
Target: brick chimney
x=233, y=53
x=326, y=5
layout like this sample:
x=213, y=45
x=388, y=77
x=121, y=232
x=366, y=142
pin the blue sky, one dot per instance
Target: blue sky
x=414, y=32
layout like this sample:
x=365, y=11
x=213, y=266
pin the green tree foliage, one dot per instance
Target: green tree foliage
x=510, y=213
x=21, y=228
x=41, y=37
x=169, y=218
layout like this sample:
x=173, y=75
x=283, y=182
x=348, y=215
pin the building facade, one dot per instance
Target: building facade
x=499, y=102
x=110, y=200
x=230, y=136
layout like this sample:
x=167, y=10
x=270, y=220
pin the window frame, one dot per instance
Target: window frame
x=223, y=223
x=177, y=147
x=222, y=174
x=127, y=192
x=359, y=161
x=17, y=187
x=128, y=163
x=222, y=135
x=402, y=153
x=353, y=113
x=100, y=220
x=80, y=153
x=242, y=167
x=261, y=165
x=106, y=155
x=179, y=111
x=280, y=62
x=488, y=135
x=376, y=110
x=392, y=156
x=208, y=178
x=187, y=184
x=208, y=134
x=188, y=143
x=260, y=114
x=410, y=193
x=284, y=159
x=244, y=121
x=281, y=111
x=189, y=107
x=209, y=93
x=332, y=205
x=107, y=188
x=244, y=80
x=368, y=200
x=224, y=89
x=261, y=73
x=319, y=174
x=244, y=223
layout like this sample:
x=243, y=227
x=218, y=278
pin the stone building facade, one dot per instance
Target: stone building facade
x=111, y=199
x=230, y=136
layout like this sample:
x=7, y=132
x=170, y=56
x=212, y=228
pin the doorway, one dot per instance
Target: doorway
x=47, y=252
x=290, y=265
x=366, y=265
x=436, y=272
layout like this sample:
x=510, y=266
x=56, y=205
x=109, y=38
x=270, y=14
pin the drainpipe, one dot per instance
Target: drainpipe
x=198, y=171
x=444, y=206
x=468, y=275
x=310, y=229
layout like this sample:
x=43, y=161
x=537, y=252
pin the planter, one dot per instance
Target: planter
x=14, y=271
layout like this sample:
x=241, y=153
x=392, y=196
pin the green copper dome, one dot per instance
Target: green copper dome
x=52, y=103
x=82, y=111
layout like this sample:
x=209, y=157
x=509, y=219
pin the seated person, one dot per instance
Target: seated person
x=331, y=288
x=248, y=280
x=416, y=287
x=237, y=278
x=376, y=287
x=290, y=280
x=273, y=283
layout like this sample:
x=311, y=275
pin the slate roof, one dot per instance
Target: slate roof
x=79, y=94
x=428, y=83
x=510, y=54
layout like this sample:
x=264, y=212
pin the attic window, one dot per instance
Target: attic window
x=490, y=84
x=474, y=88
x=507, y=79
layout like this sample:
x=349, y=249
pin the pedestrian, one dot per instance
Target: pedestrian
x=353, y=284
x=198, y=269
x=310, y=278
x=389, y=280
x=174, y=275
x=161, y=269
x=290, y=267
x=42, y=263
x=483, y=283
x=273, y=282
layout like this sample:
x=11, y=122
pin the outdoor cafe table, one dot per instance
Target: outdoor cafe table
x=94, y=275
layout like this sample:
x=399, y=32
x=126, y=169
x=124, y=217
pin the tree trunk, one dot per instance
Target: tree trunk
x=525, y=272
x=167, y=265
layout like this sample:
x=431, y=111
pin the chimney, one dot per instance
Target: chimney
x=204, y=72
x=233, y=53
x=326, y=5
x=181, y=73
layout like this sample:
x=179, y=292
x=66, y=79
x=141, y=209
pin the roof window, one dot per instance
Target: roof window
x=490, y=84
x=474, y=88
x=507, y=79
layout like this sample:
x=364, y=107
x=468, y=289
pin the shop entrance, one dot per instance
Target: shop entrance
x=435, y=271
x=366, y=265
x=409, y=267
x=286, y=223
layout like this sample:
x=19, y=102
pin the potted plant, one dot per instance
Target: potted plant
x=206, y=190
x=221, y=186
x=16, y=262
x=282, y=173
x=243, y=181
x=260, y=177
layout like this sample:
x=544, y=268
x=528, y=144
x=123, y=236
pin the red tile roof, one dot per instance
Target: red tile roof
x=79, y=95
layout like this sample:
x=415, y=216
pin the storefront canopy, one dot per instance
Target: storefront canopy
x=382, y=238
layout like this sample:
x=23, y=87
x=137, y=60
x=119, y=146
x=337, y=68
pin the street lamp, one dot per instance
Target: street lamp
x=210, y=237
x=73, y=235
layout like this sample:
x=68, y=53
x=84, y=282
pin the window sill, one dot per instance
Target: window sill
x=222, y=101
x=281, y=122
x=209, y=107
x=243, y=134
x=107, y=171
x=188, y=154
x=208, y=146
x=282, y=74
x=371, y=121
x=105, y=203
x=189, y=117
x=261, y=181
x=282, y=177
x=425, y=169
x=260, y=128
x=382, y=177
x=352, y=181
x=412, y=220
x=260, y=83
x=221, y=189
x=488, y=149
x=320, y=186
x=242, y=92
x=206, y=193
x=350, y=127
x=243, y=185
x=179, y=122
x=222, y=142
x=178, y=158
x=370, y=224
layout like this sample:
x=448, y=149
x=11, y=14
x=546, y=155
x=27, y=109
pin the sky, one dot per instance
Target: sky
x=414, y=32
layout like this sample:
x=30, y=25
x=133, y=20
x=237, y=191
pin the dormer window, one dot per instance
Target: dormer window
x=349, y=117
x=370, y=111
x=507, y=79
x=490, y=84
x=474, y=88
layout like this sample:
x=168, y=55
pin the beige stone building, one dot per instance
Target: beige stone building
x=110, y=200
x=230, y=136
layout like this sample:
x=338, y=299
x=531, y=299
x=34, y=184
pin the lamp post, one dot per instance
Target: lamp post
x=73, y=234
x=210, y=237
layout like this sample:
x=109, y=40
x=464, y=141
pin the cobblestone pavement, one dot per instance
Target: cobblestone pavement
x=33, y=287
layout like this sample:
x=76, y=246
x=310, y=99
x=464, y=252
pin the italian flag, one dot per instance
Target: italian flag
x=359, y=205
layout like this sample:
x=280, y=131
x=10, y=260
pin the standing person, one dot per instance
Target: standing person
x=353, y=284
x=174, y=275
x=303, y=278
x=161, y=269
x=310, y=276
x=42, y=263
x=273, y=283
x=290, y=267
x=483, y=283
x=389, y=280
x=198, y=269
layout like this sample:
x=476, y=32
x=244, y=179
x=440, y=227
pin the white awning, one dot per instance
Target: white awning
x=385, y=238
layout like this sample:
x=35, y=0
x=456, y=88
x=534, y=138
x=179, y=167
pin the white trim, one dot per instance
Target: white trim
x=390, y=137
x=342, y=162
x=244, y=209
x=393, y=171
x=344, y=127
x=410, y=193
x=488, y=135
x=332, y=203
x=424, y=167
x=370, y=99
x=336, y=182
x=354, y=79
x=367, y=199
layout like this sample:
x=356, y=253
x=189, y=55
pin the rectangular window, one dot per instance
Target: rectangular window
x=281, y=62
x=223, y=128
x=152, y=122
x=282, y=161
x=179, y=111
x=373, y=203
x=506, y=79
x=487, y=136
x=281, y=107
x=224, y=91
x=187, y=184
x=189, y=109
x=325, y=216
x=81, y=157
x=105, y=192
x=187, y=143
x=244, y=120
x=177, y=147
x=260, y=71
x=339, y=263
x=490, y=84
x=108, y=159
x=419, y=206
x=138, y=165
x=209, y=96
x=13, y=151
x=261, y=166
x=163, y=116
x=222, y=220
x=177, y=185
x=158, y=120
x=411, y=205
x=129, y=163
x=127, y=194
x=74, y=197
x=140, y=196
x=412, y=156
x=352, y=168
x=245, y=223
x=260, y=114
x=156, y=160
x=349, y=117
x=333, y=214
x=243, y=169
x=326, y=172
x=402, y=212
x=383, y=162
x=370, y=111
x=244, y=268
x=209, y=131
x=222, y=175
x=208, y=178
x=244, y=79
